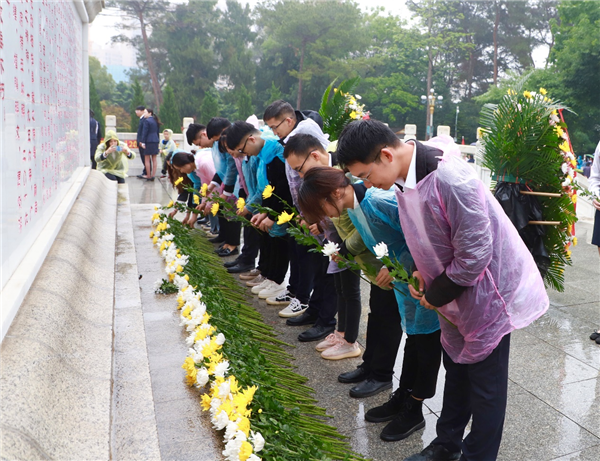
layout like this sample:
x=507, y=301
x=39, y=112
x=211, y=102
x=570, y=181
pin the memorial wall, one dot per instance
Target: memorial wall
x=44, y=120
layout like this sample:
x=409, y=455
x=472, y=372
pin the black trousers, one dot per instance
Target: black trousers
x=384, y=332
x=349, y=306
x=112, y=177
x=421, y=364
x=323, y=300
x=229, y=230
x=143, y=157
x=477, y=390
x=276, y=257
x=251, y=246
x=93, y=147
x=305, y=268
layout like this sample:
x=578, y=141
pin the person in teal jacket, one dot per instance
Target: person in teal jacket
x=328, y=191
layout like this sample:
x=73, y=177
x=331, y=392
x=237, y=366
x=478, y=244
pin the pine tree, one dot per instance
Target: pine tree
x=137, y=100
x=96, y=107
x=169, y=112
x=244, y=104
x=210, y=107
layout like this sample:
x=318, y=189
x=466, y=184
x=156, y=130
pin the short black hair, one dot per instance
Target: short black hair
x=301, y=144
x=216, y=125
x=279, y=108
x=192, y=131
x=140, y=108
x=362, y=140
x=222, y=146
x=237, y=131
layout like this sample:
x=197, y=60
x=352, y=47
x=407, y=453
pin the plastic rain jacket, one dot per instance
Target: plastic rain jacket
x=452, y=222
x=116, y=162
x=377, y=221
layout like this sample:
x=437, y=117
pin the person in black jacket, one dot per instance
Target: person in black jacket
x=139, y=111
x=150, y=141
x=95, y=137
x=281, y=117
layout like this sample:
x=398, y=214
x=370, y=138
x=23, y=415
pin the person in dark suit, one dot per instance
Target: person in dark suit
x=139, y=111
x=149, y=142
x=95, y=137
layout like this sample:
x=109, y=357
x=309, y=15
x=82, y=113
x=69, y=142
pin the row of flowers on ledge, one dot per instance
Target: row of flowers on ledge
x=205, y=366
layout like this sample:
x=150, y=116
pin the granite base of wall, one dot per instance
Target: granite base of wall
x=57, y=357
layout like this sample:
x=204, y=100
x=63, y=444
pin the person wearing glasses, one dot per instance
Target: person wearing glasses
x=472, y=266
x=308, y=299
x=244, y=139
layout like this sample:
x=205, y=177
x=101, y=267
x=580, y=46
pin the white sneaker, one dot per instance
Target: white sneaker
x=282, y=300
x=293, y=309
x=330, y=341
x=341, y=350
x=256, y=281
x=270, y=291
x=258, y=288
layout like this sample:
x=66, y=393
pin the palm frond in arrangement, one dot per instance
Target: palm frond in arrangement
x=525, y=142
x=339, y=106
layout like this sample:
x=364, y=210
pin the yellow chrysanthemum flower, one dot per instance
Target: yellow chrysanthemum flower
x=245, y=451
x=178, y=268
x=559, y=131
x=244, y=425
x=196, y=199
x=233, y=384
x=171, y=277
x=543, y=91
x=163, y=246
x=284, y=217
x=179, y=181
x=214, y=209
x=170, y=204
x=151, y=234
x=574, y=198
x=565, y=147
x=186, y=313
x=268, y=191
x=186, y=277
x=205, y=402
x=574, y=241
x=353, y=115
x=568, y=254
x=527, y=94
x=241, y=203
x=204, y=190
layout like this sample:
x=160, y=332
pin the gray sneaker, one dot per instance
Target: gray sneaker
x=250, y=275
x=256, y=281
x=293, y=309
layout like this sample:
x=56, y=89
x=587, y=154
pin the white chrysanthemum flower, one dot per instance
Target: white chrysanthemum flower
x=215, y=403
x=330, y=248
x=158, y=284
x=257, y=440
x=202, y=377
x=357, y=96
x=221, y=369
x=565, y=168
x=566, y=182
x=231, y=430
x=224, y=389
x=168, y=237
x=381, y=250
x=554, y=118
x=220, y=339
x=253, y=457
x=180, y=282
x=220, y=420
x=232, y=447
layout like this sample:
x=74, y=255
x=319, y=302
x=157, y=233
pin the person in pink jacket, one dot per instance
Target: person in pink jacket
x=472, y=266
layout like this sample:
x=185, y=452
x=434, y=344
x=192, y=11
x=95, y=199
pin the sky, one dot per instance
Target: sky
x=103, y=27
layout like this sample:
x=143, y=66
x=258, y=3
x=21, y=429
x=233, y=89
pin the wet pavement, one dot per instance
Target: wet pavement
x=554, y=377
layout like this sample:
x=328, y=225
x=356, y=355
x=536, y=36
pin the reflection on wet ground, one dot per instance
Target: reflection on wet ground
x=554, y=384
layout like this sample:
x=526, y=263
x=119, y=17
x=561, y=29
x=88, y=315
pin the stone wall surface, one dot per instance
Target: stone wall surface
x=56, y=380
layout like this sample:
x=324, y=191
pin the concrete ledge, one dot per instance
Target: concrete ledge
x=57, y=355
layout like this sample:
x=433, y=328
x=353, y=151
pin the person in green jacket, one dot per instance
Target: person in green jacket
x=111, y=157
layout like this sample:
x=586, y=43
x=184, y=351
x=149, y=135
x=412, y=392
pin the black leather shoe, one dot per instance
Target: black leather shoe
x=355, y=376
x=595, y=335
x=390, y=409
x=239, y=268
x=434, y=453
x=304, y=319
x=217, y=239
x=229, y=264
x=315, y=333
x=223, y=252
x=409, y=420
x=369, y=387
